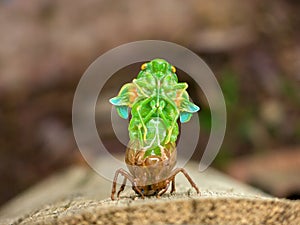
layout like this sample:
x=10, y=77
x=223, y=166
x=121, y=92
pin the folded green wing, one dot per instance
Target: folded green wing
x=125, y=99
x=187, y=108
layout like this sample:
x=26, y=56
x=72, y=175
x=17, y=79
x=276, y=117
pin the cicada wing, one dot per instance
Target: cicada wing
x=187, y=108
x=122, y=111
x=127, y=95
x=125, y=99
x=172, y=89
x=119, y=100
x=185, y=117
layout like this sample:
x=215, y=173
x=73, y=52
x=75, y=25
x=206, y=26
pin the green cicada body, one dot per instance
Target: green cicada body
x=157, y=100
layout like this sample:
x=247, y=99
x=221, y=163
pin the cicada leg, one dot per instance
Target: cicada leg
x=173, y=189
x=166, y=121
x=164, y=190
x=142, y=122
x=138, y=111
x=170, y=128
x=136, y=189
x=126, y=176
x=150, y=114
x=122, y=187
x=187, y=176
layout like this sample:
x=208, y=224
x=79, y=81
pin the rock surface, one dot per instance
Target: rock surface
x=80, y=196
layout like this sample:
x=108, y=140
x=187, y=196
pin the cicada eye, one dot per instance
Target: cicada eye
x=144, y=66
x=173, y=69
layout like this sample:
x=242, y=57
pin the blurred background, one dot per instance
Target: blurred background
x=253, y=47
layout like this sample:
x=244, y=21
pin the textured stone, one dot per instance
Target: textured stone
x=79, y=196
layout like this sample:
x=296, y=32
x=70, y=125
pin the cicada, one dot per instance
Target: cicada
x=157, y=100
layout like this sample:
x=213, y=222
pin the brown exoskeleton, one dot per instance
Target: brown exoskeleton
x=151, y=175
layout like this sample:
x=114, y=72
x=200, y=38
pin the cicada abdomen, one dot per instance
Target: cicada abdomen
x=157, y=100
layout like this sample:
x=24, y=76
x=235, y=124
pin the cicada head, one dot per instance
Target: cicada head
x=159, y=68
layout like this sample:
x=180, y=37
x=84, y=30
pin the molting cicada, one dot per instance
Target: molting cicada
x=157, y=100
